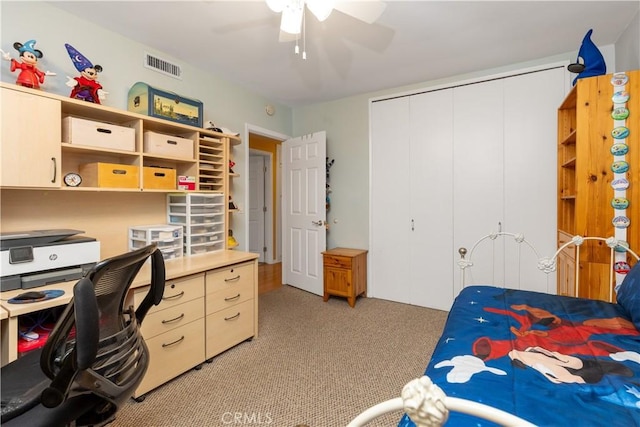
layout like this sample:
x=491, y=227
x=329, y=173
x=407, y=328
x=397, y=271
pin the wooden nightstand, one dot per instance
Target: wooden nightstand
x=345, y=273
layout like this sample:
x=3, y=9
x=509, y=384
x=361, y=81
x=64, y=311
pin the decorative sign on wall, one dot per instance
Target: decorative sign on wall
x=620, y=169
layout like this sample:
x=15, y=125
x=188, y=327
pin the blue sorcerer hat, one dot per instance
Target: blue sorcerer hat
x=79, y=60
x=29, y=46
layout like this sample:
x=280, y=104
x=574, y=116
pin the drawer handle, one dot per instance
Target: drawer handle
x=172, y=142
x=232, y=279
x=232, y=298
x=175, y=319
x=103, y=130
x=119, y=171
x=174, y=342
x=172, y=297
x=159, y=174
x=232, y=317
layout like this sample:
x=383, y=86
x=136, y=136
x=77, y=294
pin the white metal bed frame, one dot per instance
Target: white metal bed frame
x=425, y=403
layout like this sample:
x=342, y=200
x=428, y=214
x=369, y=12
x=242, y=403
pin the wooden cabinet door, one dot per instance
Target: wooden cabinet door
x=30, y=142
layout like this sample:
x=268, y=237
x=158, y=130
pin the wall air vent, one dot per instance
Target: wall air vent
x=162, y=66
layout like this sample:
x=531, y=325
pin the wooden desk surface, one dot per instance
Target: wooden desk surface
x=175, y=268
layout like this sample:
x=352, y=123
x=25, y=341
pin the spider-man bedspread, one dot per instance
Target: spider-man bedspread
x=552, y=360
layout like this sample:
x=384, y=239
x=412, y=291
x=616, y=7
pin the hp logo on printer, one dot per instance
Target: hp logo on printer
x=53, y=257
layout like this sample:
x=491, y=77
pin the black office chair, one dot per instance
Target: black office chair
x=95, y=356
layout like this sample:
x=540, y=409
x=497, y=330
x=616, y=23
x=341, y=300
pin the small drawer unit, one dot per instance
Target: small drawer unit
x=158, y=178
x=168, y=238
x=97, y=134
x=202, y=216
x=230, y=306
x=110, y=175
x=345, y=273
x=168, y=145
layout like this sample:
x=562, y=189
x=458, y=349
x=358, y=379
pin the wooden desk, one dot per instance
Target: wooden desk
x=345, y=273
x=176, y=269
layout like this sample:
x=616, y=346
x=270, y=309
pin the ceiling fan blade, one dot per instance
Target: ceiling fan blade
x=366, y=11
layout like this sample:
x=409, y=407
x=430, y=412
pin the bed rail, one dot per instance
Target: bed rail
x=428, y=406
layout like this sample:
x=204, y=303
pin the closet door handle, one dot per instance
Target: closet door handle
x=413, y=225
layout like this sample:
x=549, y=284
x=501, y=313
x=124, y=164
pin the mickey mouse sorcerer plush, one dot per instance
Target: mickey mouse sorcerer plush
x=85, y=87
x=30, y=75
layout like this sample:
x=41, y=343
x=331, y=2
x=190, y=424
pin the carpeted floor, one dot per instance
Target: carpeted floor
x=314, y=363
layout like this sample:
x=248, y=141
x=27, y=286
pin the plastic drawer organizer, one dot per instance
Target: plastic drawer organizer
x=202, y=216
x=168, y=238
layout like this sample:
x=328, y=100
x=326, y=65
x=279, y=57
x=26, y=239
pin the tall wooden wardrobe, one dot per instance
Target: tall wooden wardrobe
x=453, y=164
x=585, y=175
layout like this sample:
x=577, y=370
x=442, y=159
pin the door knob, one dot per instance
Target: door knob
x=319, y=223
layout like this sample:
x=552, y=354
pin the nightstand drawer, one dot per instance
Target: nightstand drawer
x=224, y=298
x=232, y=277
x=162, y=321
x=229, y=327
x=176, y=292
x=337, y=261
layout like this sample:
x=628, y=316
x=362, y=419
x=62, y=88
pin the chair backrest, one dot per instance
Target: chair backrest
x=96, y=346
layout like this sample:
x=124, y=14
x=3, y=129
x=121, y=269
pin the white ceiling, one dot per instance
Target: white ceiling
x=412, y=42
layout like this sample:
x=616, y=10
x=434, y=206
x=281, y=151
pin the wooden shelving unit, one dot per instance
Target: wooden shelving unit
x=584, y=181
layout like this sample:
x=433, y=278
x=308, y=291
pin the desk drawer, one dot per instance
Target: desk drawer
x=224, y=298
x=176, y=292
x=229, y=327
x=231, y=277
x=172, y=353
x=175, y=316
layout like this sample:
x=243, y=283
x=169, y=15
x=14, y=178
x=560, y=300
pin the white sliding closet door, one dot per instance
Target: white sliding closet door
x=478, y=182
x=452, y=165
x=431, y=199
x=390, y=220
x=530, y=172
x=411, y=201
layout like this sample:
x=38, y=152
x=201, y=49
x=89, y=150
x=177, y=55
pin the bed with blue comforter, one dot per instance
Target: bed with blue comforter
x=551, y=360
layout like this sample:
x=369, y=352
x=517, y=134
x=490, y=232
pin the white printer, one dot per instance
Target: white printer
x=40, y=257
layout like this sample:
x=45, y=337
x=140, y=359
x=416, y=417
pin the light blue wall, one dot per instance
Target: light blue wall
x=628, y=47
x=346, y=120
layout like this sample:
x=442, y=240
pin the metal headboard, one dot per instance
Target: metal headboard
x=546, y=264
x=464, y=262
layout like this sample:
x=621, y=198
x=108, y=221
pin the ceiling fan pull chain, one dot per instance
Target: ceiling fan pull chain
x=304, y=33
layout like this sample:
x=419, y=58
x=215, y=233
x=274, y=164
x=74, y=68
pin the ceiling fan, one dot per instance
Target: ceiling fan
x=293, y=13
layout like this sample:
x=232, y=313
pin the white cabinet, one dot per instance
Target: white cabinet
x=30, y=142
x=454, y=164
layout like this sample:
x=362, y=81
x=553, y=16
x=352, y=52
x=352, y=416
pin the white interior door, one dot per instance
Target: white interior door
x=304, y=213
x=257, y=241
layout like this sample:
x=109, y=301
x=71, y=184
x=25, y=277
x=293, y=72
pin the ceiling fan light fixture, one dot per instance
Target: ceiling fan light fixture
x=292, y=17
x=276, y=5
x=321, y=9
